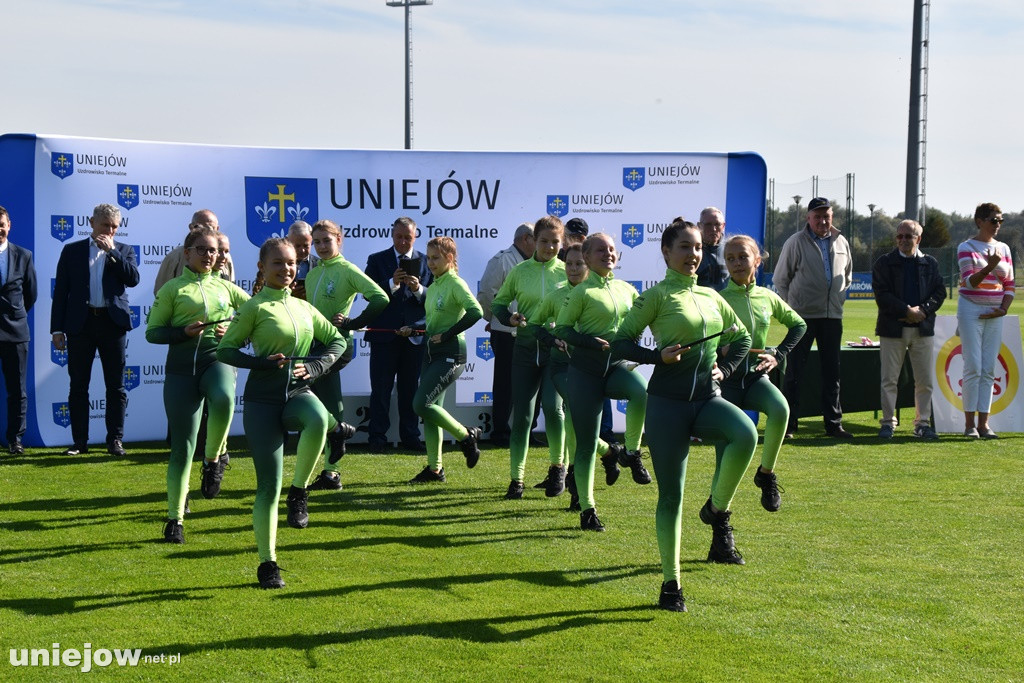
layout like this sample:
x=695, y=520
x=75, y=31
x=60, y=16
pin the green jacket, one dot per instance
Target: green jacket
x=332, y=286
x=451, y=309
x=680, y=312
x=756, y=306
x=528, y=284
x=184, y=300
x=593, y=309
x=276, y=322
x=550, y=308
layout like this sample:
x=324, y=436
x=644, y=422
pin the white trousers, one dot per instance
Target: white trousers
x=980, y=340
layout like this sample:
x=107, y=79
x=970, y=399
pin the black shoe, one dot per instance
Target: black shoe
x=770, y=490
x=174, y=532
x=570, y=481
x=225, y=458
x=414, y=446
x=337, y=440
x=269, y=575
x=115, y=447
x=610, y=462
x=574, y=502
x=16, y=448
x=428, y=475
x=838, y=433
x=589, y=520
x=77, y=449
x=671, y=597
x=471, y=446
x=327, y=480
x=211, y=476
x=723, y=548
x=556, y=481
x=515, y=490
x=632, y=460
x=542, y=484
x=298, y=514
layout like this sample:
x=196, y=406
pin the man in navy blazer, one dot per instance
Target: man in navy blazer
x=391, y=355
x=17, y=295
x=90, y=313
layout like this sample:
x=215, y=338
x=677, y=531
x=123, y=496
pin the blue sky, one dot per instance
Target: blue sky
x=815, y=88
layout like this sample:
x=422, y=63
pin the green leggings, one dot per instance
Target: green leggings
x=328, y=389
x=527, y=380
x=435, y=378
x=764, y=397
x=586, y=401
x=183, y=402
x=560, y=377
x=265, y=427
x=670, y=423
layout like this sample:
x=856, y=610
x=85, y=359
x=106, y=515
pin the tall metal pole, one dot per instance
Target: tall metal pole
x=871, y=252
x=408, y=4
x=917, y=117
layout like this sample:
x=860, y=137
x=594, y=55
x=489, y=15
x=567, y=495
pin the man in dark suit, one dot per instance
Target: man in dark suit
x=393, y=356
x=17, y=295
x=90, y=313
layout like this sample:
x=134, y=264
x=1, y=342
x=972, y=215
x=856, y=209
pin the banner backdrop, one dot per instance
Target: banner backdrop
x=1007, y=400
x=50, y=185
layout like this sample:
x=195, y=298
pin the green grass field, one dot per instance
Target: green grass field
x=888, y=561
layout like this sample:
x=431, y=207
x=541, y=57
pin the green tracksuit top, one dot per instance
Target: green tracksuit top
x=594, y=308
x=528, y=284
x=680, y=312
x=755, y=307
x=332, y=286
x=549, y=310
x=276, y=322
x=451, y=309
x=184, y=300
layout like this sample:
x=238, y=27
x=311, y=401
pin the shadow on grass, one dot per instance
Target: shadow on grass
x=507, y=629
x=71, y=504
x=43, y=606
x=13, y=556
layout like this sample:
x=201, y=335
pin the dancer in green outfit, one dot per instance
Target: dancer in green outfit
x=576, y=271
x=190, y=315
x=528, y=284
x=683, y=397
x=588, y=320
x=277, y=396
x=331, y=287
x=749, y=387
x=451, y=309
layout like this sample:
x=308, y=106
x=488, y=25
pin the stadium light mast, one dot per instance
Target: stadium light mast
x=408, y=4
x=917, y=129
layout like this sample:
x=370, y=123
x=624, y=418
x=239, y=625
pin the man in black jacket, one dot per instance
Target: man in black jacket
x=17, y=294
x=908, y=290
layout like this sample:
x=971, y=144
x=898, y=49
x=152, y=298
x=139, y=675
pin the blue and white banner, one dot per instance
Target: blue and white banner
x=50, y=185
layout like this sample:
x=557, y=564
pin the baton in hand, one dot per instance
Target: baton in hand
x=733, y=328
x=386, y=329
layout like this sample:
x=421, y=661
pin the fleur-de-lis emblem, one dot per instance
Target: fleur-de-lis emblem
x=298, y=212
x=265, y=212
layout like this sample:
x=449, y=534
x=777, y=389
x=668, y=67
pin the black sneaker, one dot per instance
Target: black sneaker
x=327, y=480
x=544, y=483
x=428, y=475
x=589, y=520
x=115, y=447
x=298, y=514
x=632, y=460
x=556, y=481
x=212, y=474
x=770, y=490
x=174, y=532
x=269, y=575
x=610, y=461
x=574, y=502
x=515, y=490
x=570, y=481
x=471, y=447
x=671, y=597
x=723, y=548
x=337, y=440
x=225, y=458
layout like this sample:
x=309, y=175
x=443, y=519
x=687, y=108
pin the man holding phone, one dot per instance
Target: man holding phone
x=392, y=356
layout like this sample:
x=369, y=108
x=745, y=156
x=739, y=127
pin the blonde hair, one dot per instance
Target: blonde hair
x=446, y=245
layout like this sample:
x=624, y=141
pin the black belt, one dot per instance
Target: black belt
x=101, y=310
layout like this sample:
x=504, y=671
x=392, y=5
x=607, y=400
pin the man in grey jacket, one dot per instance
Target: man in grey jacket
x=501, y=336
x=814, y=270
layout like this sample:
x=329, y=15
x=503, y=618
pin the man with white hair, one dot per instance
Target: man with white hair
x=908, y=290
x=174, y=263
x=712, y=271
x=300, y=234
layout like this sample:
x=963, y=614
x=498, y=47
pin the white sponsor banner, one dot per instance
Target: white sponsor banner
x=1007, y=400
x=476, y=198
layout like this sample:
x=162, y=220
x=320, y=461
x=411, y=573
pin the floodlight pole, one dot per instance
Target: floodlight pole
x=408, y=4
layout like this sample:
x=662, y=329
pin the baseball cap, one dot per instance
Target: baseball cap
x=578, y=226
x=818, y=203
